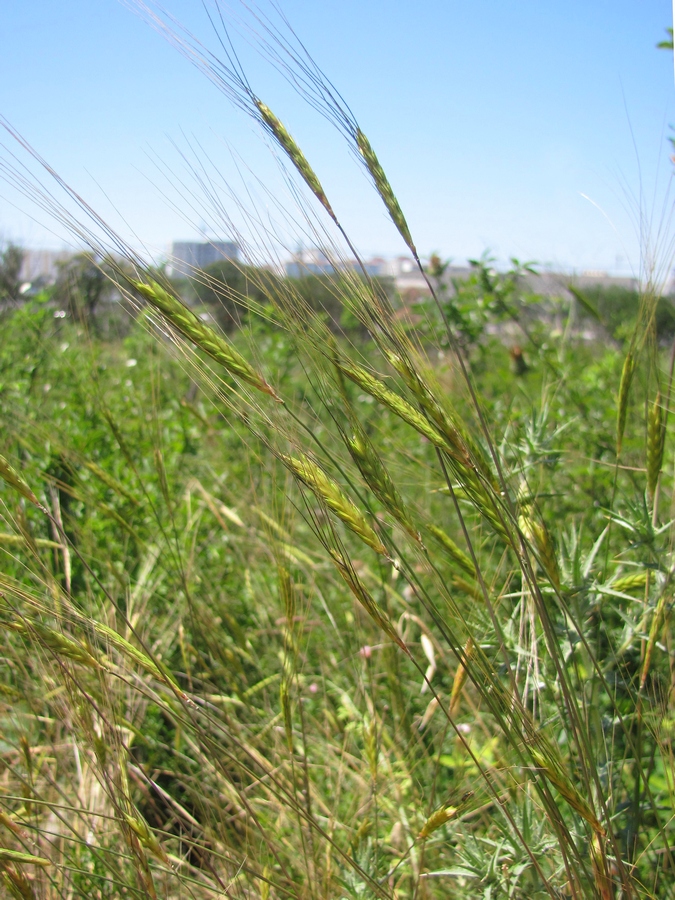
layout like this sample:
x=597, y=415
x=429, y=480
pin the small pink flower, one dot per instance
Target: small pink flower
x=313, y=688
x=366, y=651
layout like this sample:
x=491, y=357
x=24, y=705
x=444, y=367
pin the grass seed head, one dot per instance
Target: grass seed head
x=330, y=493
x=286, y=712
x=17, y=884
x=202, y=335
x=384, y=189
x=429, y=403
x=658, y=620
x=147, y=838
x=391, y=400
x=374, y=610
x=656, y=435
x=538, y=535
x=378, y=478
x=458, y=556
x=64, y=646
x=14, y=856
x=127, y=649
x=9, y=475
x=461, y=675
x=548, y=761
x=295, y=154
x=436, y=820
x=630, y=582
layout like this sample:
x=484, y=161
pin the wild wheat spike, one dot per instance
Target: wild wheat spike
x=655, y=444
x=9, y=475
x=374, y=610
x=384, y=189
x=400, y=407
x=378, y=478
x=536, y=532
x=449, y=425
x=546, y=758
x=204, y=337
x=457, y=555
x=15, y=856
x=140, y=828
x=460, y=676
x=327, y=490
x=658, y=619
x=624, y=390
x=630, y=582
x=436, y=819
x=64, y=646
x=295, y=154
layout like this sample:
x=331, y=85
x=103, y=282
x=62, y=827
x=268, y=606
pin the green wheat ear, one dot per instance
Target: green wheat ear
x=367, y=601
x=9, y=475
x=378, y=478
x=656, y=434
x=457, y=555
x=328, y=491
x=295, y=154
x=203, y=336
x=384, y=189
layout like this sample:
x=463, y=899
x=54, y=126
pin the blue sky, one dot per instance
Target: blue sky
x=533, y=128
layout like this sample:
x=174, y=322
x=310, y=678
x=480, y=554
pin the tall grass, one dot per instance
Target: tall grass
x=365, y=620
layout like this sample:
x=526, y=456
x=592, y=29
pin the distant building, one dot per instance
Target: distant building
x=186, y=256
x=42, y=265
x=308, y=262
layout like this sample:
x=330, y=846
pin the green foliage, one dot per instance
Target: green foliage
x=227, y=288
x=618, y=308
x=11, y=261
x=468, y=305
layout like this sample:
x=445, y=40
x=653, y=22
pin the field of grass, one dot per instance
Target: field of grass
x=340, y=601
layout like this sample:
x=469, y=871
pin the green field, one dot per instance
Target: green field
x=247, y=648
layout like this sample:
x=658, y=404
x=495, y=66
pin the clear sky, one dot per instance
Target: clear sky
x=534, y=128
